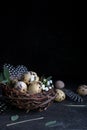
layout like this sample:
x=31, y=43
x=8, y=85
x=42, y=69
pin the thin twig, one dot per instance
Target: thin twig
x=73, y=105
x=20, y=122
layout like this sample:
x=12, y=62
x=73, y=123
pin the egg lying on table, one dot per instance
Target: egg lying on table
x=59, y=84
x=35, y=87
x=82, y=90
x=21, y=86
x=29, y=77
x=60, y=95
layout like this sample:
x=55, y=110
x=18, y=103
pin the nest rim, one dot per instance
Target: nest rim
x=40, y=101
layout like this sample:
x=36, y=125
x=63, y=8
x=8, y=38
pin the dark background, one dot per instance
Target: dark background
x=45, y=38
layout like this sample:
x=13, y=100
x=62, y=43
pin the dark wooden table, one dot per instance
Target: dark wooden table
x=62, y=116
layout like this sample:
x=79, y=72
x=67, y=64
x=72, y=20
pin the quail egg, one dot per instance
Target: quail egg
x=21, y=86
x=30, y=77
x=82, y=90
x=59, y=84
x=13, y=82
x=35, y=87
x=60, y=95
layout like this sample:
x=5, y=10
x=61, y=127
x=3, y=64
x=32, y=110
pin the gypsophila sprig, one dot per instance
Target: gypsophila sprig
x=47, y=83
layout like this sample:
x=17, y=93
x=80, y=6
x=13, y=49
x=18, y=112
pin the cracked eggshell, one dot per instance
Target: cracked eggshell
x=21, y=86
x=35, y=87
x=82, y=90
x=30, y=77
x=59, y=84
x=60, y=95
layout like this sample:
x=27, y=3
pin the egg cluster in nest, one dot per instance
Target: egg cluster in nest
x=27, y=90
x=30, y=82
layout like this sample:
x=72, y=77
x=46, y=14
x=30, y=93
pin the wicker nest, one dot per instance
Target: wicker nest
x=25, y=89
x=40, y=101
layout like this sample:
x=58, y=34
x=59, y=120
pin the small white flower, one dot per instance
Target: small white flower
x=48, y=83
x=46, y=89
x=51, y=81
x=50, y=87
x=44, y=80
x=43, y=87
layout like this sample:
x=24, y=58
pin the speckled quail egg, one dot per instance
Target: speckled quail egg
x=82, y=90
x=21, y=86
x=35, y=87
x=13, y=81
x=59, y=84
x=60, y=95
x=30, y=77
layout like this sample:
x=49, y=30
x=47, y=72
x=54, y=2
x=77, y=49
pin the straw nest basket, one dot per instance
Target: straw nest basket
x=40, y=101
